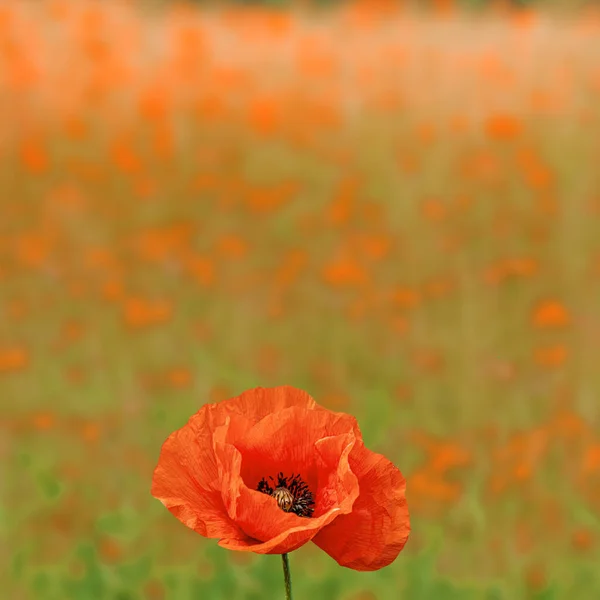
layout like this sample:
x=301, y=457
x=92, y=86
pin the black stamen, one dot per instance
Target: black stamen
x=304, y=503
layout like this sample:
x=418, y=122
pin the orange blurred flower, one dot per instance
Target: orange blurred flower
x=503, y=127
x=180, y=377
x=551, y=356
x=140, y=312
x=551, y=313
x=345, y=271
x=13, y=359
x=43, y=421
x=110, y=550
x=582, y=540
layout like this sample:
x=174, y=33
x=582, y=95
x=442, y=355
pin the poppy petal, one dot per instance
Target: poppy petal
x=324, y=458
x=374, y=533
x=257, y=403
x=285, y=441
x=259, y=515
x=186, y=479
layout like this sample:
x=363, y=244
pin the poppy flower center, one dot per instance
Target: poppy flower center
x=291, y=494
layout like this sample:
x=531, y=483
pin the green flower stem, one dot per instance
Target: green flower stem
x=287, y=576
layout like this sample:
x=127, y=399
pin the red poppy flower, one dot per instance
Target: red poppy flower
x=270, y=470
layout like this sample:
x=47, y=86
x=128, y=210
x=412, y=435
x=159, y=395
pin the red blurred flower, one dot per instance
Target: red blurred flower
x=270, y=470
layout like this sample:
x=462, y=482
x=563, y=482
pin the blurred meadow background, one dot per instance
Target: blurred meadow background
x=394, y=207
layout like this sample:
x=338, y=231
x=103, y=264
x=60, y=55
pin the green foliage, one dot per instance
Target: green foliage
x=135, y=572
x=50, y=486
x=93, y=584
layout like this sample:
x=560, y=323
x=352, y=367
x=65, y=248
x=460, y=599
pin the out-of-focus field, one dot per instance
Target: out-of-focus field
x=399, y=213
